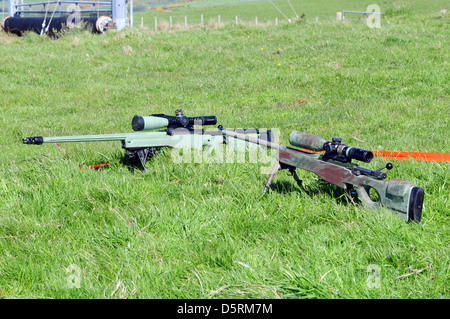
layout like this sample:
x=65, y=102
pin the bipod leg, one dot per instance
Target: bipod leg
x=293, y=173
x=275, y=168
x=143, y=154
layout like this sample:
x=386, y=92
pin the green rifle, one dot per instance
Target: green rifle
x=334, y=165
x=179, y=132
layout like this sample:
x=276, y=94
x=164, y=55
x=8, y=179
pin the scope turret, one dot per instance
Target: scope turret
x=158, y=121
x=333, y=150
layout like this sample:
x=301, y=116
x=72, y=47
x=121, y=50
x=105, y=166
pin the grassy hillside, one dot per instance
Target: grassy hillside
x=204, y=230
x=267, y=11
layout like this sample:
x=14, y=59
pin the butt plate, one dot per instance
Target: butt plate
x=416, y=204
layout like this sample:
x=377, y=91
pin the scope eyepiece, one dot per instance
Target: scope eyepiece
x=359, y=154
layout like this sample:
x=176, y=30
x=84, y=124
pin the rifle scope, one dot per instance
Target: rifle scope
x=334, y=149
x=158, y=121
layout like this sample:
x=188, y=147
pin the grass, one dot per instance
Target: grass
x=203, y=230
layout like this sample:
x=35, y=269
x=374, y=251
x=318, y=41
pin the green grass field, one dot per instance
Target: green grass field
x=203, y=230
x=266, y=11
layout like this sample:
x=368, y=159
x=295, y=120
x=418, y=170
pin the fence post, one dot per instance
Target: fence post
x=201, y=20
x=276, y=21
x=256, y=21
x=185, y=22
x=142, y=22
x=170, y=22
x=156, y=24
x=131, y=13
x=237, y=20
x=218, y=20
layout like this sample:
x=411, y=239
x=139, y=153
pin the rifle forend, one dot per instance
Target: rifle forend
x=335, y=167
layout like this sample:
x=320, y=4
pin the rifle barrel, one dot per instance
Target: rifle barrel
x=251, y=139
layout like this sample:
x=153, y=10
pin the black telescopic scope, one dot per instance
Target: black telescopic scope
x=202, y=120
x=180, y=120
x=335, y=147
x=158, y=121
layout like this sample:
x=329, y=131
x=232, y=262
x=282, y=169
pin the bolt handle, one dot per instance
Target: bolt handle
x=388, y=166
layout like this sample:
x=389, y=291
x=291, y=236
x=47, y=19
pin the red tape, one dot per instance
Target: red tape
x=96, y=166
x=403, y=156
x=418, y=156
x=398, y=156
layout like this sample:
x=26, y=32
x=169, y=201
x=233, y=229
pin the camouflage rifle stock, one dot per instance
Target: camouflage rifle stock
x=179, y=132
x=334, y=166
